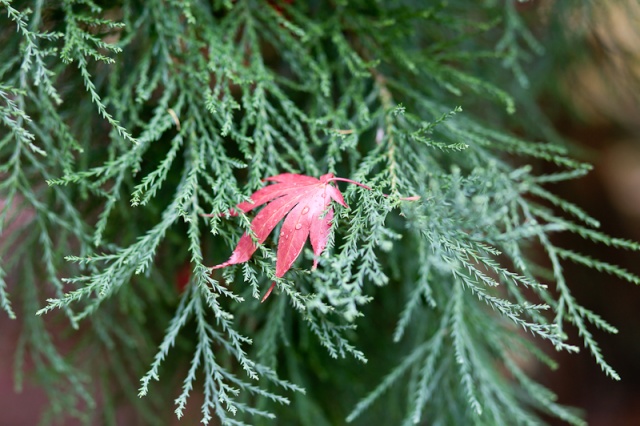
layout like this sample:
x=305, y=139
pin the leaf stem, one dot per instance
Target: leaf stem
x=412, y=198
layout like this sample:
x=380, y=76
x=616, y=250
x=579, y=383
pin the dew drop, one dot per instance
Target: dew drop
x=305, y=210
x=298, y=226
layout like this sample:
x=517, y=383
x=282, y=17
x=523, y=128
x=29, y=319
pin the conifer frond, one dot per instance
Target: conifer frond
x=5, y=303
x=123, y=124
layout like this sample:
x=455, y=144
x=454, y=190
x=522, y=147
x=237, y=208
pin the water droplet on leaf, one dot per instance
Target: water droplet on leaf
x=305, y=210
x=298, y=226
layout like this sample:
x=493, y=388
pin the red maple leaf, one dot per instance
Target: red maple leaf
x=304, y=201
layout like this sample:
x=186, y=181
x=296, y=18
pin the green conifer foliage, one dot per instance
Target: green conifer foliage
x=124, y=122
